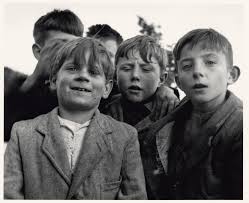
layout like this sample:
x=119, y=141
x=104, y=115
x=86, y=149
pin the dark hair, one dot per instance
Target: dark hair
x=211, y=39
x=57, y=20
x=147, y=48
x=77, y=48
x=101, y=31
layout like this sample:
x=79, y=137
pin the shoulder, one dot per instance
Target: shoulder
x=235, y=119
x=26, y=128
x=12, y=81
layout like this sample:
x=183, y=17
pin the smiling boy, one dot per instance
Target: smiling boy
x=74, y=151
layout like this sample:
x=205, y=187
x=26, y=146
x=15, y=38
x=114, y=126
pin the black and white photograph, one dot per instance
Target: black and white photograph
x=124, y=100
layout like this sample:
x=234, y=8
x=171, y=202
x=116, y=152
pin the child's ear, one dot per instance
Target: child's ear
x=163, y=78
x=234, y=74
x=53, y=84
x=108, y=89
x=36, y=50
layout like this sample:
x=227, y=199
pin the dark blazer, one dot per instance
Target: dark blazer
x=213, y=167
x=109, y=166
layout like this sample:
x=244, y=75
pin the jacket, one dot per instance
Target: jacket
x=109, y=165
x=213, y=167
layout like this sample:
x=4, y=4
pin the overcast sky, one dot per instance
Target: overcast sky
x=175, y=19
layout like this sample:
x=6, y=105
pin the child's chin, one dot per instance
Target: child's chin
x=135, y=99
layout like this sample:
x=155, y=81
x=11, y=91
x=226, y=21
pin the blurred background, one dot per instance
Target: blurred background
x=166, y=20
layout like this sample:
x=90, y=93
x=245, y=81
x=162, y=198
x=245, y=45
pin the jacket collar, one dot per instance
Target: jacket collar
x=96, y=143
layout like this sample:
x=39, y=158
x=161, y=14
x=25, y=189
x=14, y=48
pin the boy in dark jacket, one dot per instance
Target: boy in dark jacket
x=200, y=143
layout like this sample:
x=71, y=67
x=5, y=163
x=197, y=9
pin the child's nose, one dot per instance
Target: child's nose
x=198, y=70
x=136, y=73
x=83, y=75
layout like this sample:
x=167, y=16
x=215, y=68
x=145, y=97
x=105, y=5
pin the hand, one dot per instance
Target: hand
x=165, y=101
x=43, y=67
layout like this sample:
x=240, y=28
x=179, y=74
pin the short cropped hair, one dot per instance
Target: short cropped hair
x=104, y=31
x=77, y=49
x=210, y=38
x=57, y=20
x=147, y=48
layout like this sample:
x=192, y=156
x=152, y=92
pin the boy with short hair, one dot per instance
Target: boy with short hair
x=140, y=65
x=75, y=152
x=107, y=35
x=200, y=143
x=25, y=95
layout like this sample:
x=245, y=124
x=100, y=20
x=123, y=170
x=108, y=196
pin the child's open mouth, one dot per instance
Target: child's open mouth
x=134, y=89
x=81, y=89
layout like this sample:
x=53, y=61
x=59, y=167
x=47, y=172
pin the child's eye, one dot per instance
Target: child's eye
x=125, y=68
x=186, y=67
x=147, y=68
x=210, y=62
x=94, y=71
x=72, y=68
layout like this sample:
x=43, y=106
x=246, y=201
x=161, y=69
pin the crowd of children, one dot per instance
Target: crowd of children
x=72, y=137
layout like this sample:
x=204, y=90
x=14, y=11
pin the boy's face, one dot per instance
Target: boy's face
x=112, y=46
x=80, y=88
x=203, y=74
x=137, y=80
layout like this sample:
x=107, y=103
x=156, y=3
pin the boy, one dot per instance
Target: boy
x=110, y=38
x=165, y=99
x=23, y=95
x=200, y=143
x=140, y=65
x=75, y=152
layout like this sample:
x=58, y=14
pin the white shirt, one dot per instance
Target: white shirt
x=73, y=136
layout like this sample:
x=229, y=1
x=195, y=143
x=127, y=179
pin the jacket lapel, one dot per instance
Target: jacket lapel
x=95, y=145
x=53, y=145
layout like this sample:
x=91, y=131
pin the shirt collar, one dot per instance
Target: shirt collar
x=73, y=126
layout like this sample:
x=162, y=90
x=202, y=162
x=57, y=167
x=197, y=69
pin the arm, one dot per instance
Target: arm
x=13, y=174
x=42, y=70
x=165, y=101
x=133, y=182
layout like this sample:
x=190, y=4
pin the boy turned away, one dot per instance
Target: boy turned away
x=75, y=152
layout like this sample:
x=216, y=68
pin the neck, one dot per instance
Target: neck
x=209, y=106
x=76, y=116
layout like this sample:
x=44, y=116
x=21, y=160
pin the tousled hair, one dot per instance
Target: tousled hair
x=57, y=20
x=147, y=48
x=77, y=49
x=209, y=38
x=104, y=31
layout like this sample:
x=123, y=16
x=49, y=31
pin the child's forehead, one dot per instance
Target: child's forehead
x=134, y=56
x=203, y=47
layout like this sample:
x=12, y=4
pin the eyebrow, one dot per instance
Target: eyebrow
x=202, y=56
x=132, y=63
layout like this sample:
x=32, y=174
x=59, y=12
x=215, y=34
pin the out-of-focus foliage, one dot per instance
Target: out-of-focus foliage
x=154, y=31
